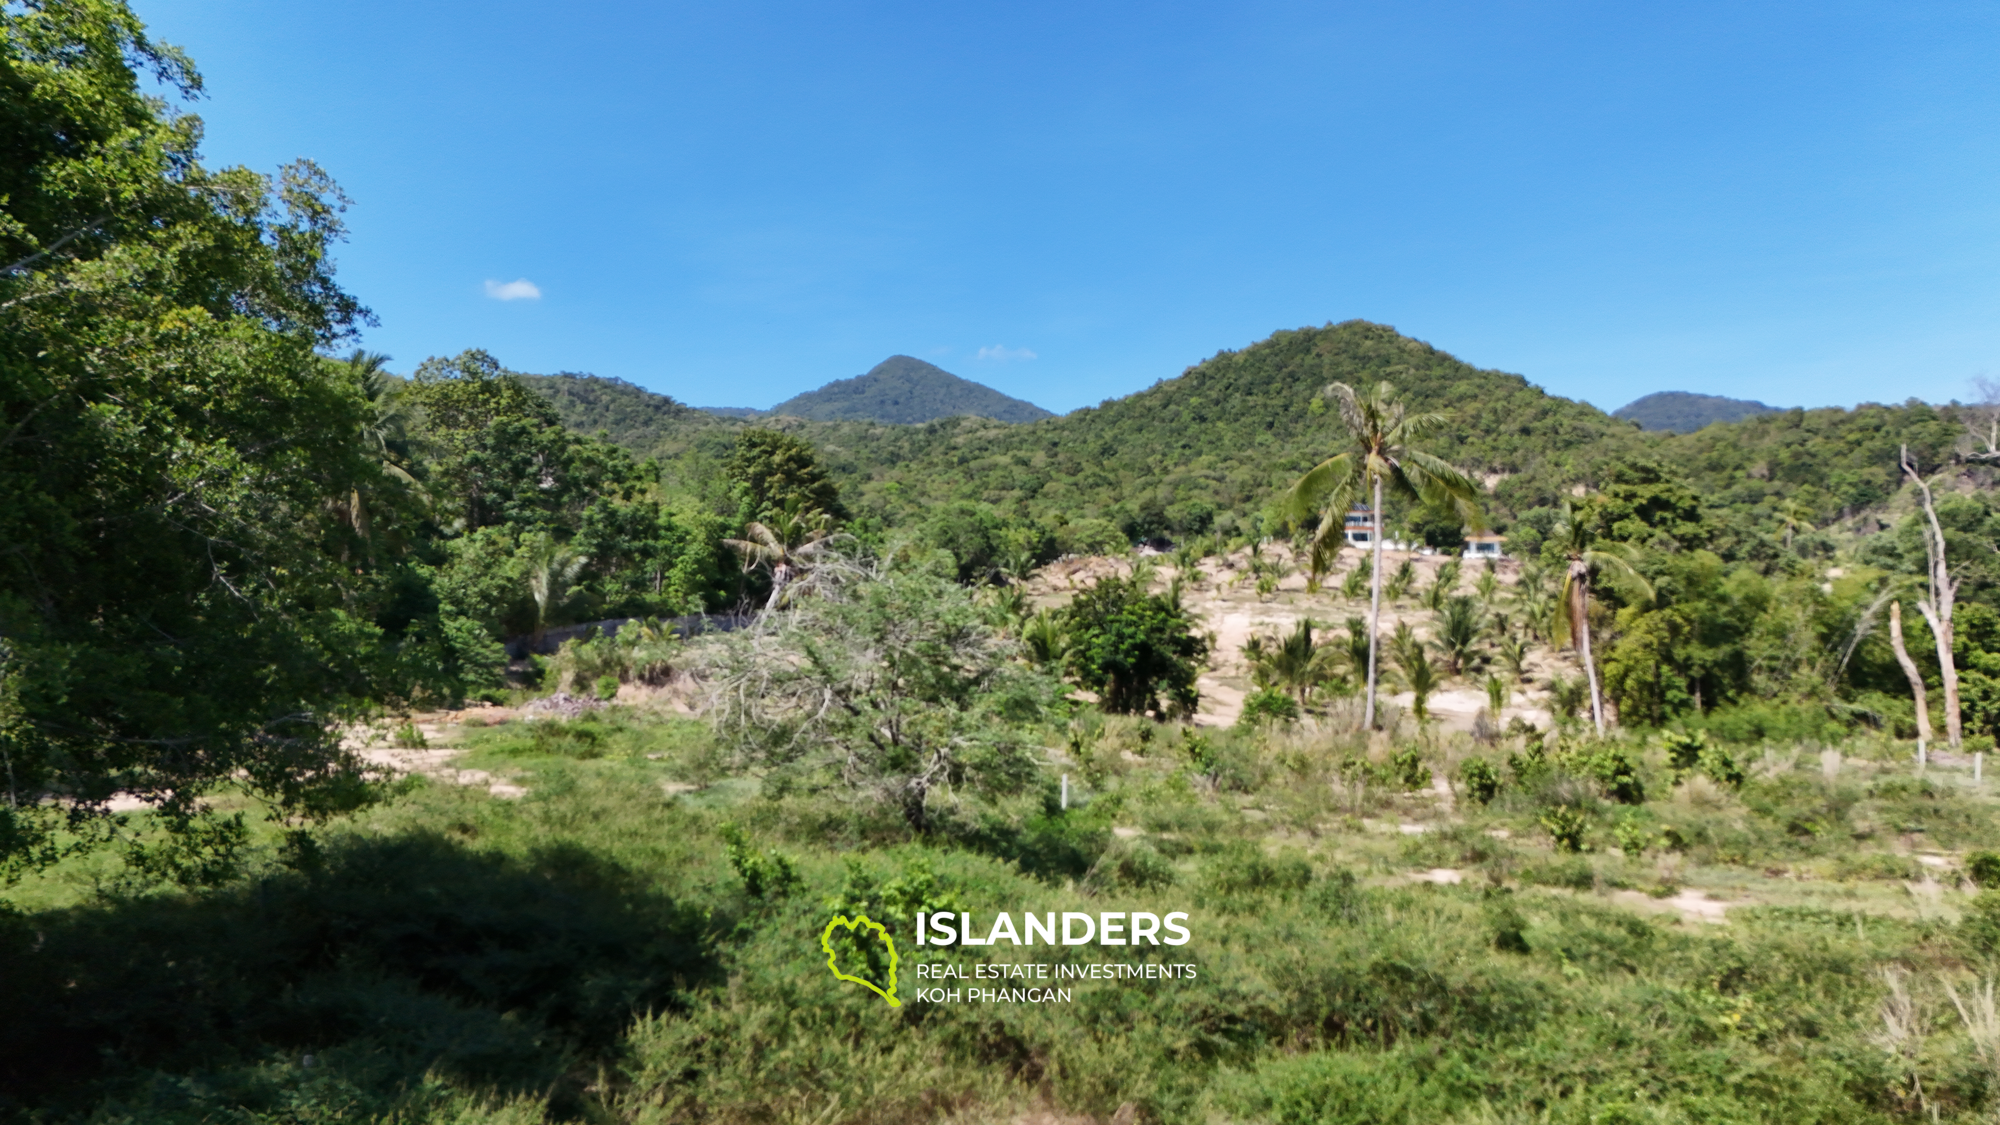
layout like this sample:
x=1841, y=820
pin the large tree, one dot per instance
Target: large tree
x=1381, y=458
x=174, y=453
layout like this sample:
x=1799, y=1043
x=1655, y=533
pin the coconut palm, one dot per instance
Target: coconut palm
x=1293, y=662
x=1459, y=627
x=552, y=572
x=384, y=433
x=786, y=545
x=1381, y=457
x=1575, y=535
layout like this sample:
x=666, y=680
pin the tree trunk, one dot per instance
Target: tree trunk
x=1374, y=605
x=1579, y=626
x=1937, y=605
x=1916, y=678
x=1590, y=670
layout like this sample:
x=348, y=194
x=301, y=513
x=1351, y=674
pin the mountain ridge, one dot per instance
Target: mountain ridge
x=901, y=390
x=1684, y=412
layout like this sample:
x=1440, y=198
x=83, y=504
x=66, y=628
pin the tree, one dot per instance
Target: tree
x=1130, y=647
x=1940, y=594
x=1381, y=457
x=1459, y=628
x=786, y=546
x=891, y=686
x=777, y=471
x=173, y=453
x=1915, y=676
x=500, y=453
x=1292, y=662
x=1575, y=539
x=552, y=573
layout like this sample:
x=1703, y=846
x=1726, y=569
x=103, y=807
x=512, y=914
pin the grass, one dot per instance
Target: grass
x=591, y=952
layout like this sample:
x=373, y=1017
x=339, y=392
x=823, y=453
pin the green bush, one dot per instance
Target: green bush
x=1268, y=705
x=1565, y=826
x=1984, y=869
x=607, y=688
x=1481, y=780
x=1409, y=769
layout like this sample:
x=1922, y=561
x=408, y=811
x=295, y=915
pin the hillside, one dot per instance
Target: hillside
x=630, y=415
x=904, y=390
x=1684, y=412
x=1208, y=449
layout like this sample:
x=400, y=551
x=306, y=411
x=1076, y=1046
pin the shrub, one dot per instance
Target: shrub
x=1565, y=826
x=1979, y=926
x=408, y=737
x=607, y=688
x=1631, y=836
x=1481, y=780
x=1410, y=771
x=1268, y=705
x=1133, y=864
x=1610, y=767
x=1690, y=752
x=1984, y=869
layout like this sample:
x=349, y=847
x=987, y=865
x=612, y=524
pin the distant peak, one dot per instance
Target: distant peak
x=1685, y=412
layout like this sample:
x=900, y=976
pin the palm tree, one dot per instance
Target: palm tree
x=1459, y=628
x=787, y=545
x=1575, y=535
x=1294, y=662
x=552, y=574
x=1380, y=457
x=384, y=432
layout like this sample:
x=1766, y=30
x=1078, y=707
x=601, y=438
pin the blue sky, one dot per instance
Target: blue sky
x=732, y=203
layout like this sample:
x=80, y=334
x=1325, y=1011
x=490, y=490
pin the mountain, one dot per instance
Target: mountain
x=906, y=390
x=1211, y=448
x=1682, y=412
x=632, y=416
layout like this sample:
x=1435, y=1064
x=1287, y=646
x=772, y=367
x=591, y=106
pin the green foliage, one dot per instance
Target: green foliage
x=1268, y=705
x=1983, y=868
x=1480, y=779
x=1691, y=752
x=640, y=652
x=1132, y=647
x=777, y=470
x=186, y=592
x=1566, y=826
x=1410, y=769
x=906, y=390
x=1459, y=629
x=925, y=692
x=1611, y=767
x=766, y=874
x=1292, y=662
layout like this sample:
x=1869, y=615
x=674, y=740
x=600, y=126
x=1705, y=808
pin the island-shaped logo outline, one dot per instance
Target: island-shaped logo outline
x=833, y=959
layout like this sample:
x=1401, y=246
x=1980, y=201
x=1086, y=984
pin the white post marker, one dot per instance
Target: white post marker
x=1065, y=803
x=1978, y=767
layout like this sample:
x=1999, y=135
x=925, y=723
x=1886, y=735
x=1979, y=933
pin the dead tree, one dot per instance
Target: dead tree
x=1916, y=678
x=1982, y=423
x=1941, y=590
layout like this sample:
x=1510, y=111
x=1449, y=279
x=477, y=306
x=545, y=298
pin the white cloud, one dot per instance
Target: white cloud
x=521, y=290
x=1002, y=354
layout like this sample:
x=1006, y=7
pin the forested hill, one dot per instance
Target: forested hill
x=1208, y=449
x=905, y=390
x=1684, y=412
x=632, y=416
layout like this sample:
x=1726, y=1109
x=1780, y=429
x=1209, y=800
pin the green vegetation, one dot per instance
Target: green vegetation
x=289, y=836
x=906, y=390
x=1682, y=412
